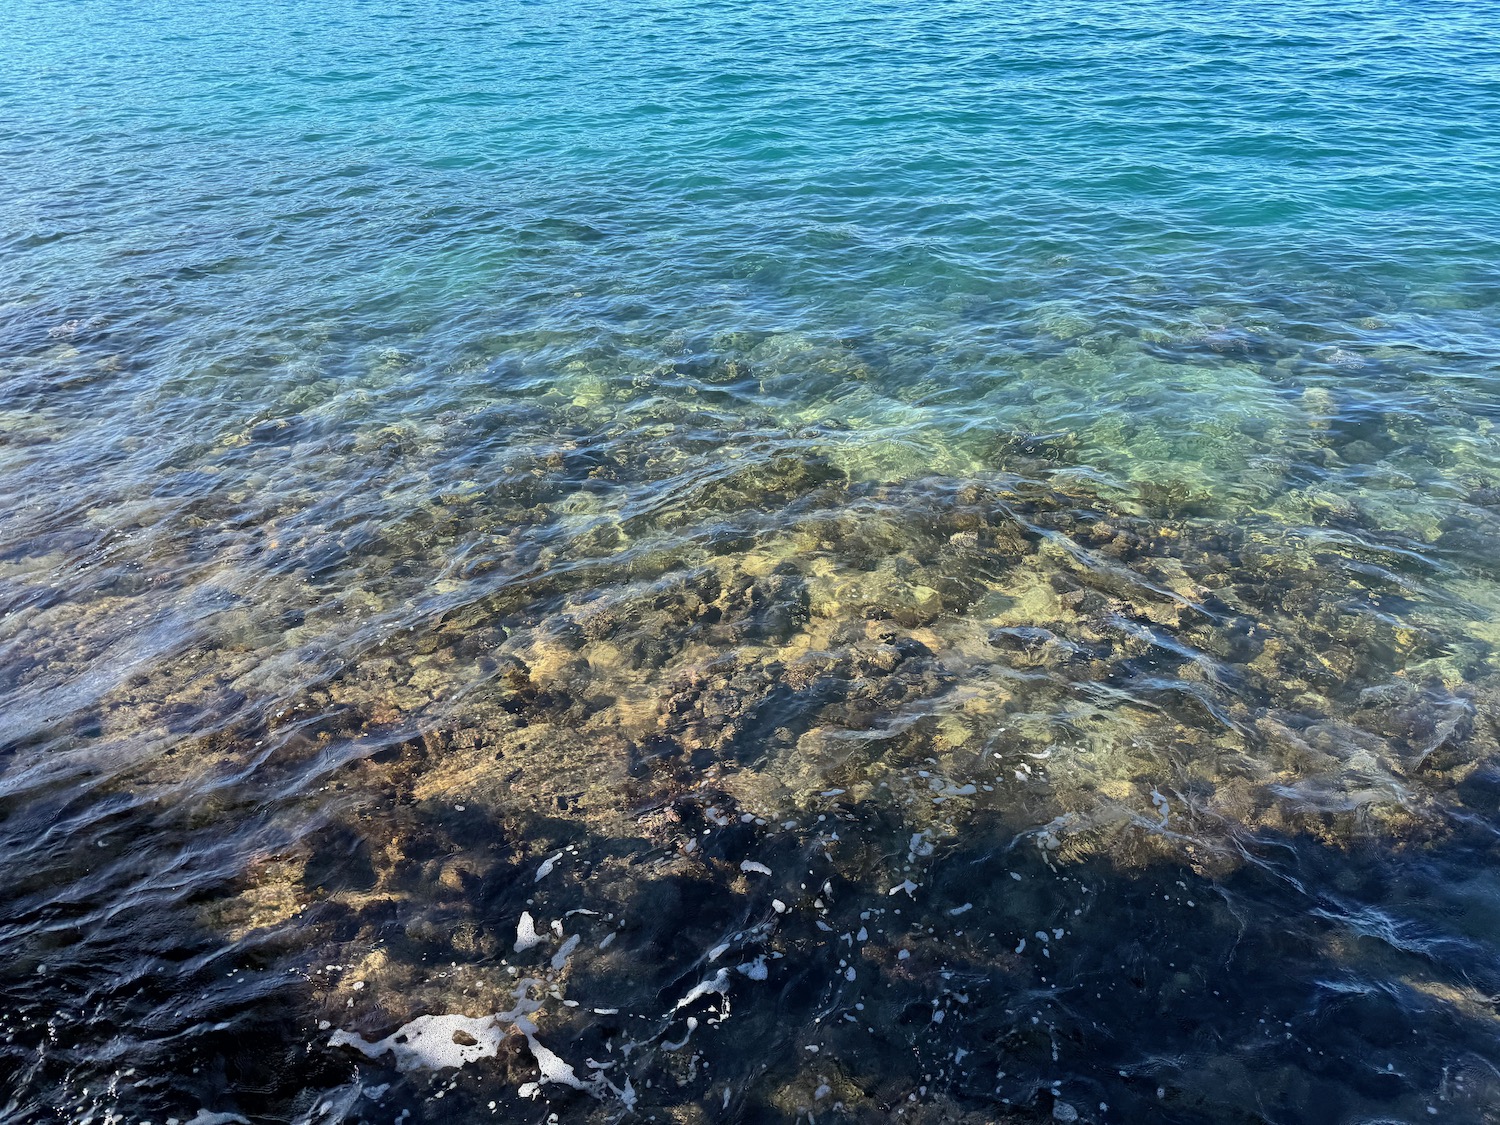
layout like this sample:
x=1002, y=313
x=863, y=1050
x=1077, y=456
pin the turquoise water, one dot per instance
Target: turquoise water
x=942, y=557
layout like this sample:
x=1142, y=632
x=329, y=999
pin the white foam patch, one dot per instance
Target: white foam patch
x=431, y=1042
x=526, y=935
x=750, y=865
x=755, y=970
x=692, y=1026
x=719, y=983
x=554, y=1070
x=1162, y=806
x=546, y=868
x=560, y=958
x=552, y=1066
x=204, y=1117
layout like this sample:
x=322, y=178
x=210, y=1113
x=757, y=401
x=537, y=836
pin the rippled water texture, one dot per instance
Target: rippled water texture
x=815, y=561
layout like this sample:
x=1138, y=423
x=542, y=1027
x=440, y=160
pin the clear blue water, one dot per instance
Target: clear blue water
x=1030, y=467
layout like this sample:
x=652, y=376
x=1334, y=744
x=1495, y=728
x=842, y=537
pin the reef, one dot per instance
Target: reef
x=606, y=755
x=794, y=792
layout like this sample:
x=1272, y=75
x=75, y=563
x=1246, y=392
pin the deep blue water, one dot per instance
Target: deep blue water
x=1029, y=466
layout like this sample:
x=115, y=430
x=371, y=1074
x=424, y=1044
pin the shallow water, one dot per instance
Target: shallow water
x=755, y=562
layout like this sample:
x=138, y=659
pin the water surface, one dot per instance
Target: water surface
x=750, y=562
